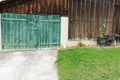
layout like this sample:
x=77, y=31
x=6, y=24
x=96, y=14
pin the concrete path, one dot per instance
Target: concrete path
x=28, y=65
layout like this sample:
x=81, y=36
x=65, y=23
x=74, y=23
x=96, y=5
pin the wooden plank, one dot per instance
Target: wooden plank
x=49, y=20
x=15, y=19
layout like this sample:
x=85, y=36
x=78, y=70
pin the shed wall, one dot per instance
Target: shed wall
x=86, y=18
x=58, y=7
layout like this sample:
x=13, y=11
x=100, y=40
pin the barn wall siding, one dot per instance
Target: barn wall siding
x=86, y=17
x=58, y=7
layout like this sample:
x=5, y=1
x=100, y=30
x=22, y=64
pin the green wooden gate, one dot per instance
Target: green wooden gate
x=25, y=31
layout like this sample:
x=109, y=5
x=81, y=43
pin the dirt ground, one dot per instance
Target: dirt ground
x=28, y=65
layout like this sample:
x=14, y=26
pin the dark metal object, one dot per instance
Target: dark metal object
x=108, y=40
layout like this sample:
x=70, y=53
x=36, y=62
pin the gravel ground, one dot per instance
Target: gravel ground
x=28, y=65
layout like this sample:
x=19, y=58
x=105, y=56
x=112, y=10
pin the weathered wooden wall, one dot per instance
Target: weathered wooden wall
x=86, y=18
x=58, y=7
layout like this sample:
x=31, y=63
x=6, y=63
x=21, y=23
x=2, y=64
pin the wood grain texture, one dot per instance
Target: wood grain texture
x=58, y=7
x=87, y=17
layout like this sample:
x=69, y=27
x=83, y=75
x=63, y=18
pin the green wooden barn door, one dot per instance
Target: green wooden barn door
x=48, y=31
x=14, y=31
x=22, y=31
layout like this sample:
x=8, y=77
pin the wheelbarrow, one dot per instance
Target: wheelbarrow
x=106, y=40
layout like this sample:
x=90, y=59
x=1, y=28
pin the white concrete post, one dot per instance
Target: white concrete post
x=64, y=32
x=0, y=33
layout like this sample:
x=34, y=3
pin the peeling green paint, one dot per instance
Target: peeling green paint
x=25, y=31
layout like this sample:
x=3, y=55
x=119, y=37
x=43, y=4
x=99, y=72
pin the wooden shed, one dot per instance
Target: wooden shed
x=27, y=24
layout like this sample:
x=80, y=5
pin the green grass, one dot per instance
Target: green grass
x=89, y=64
